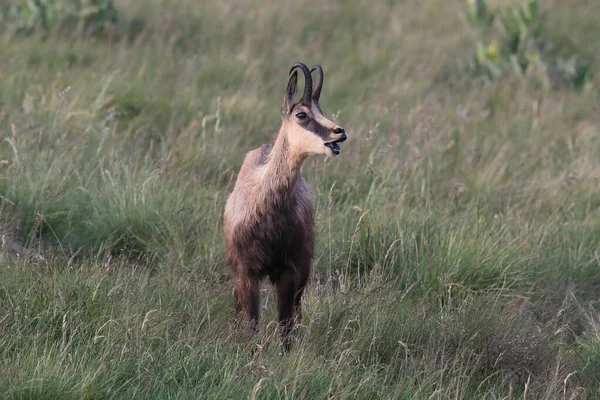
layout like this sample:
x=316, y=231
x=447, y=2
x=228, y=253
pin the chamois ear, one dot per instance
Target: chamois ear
x=288, y=100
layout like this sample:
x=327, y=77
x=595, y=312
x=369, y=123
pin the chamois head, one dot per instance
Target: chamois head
x=308, y=130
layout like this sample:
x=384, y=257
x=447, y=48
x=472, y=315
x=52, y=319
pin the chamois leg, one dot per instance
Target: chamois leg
x=285, y=307
x=302, y=279
x=246, y=299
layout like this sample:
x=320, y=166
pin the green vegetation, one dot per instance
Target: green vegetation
x=521, y=42
x=48, y=15
x=458, y=231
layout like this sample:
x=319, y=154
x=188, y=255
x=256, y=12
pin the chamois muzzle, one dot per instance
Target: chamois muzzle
x=333, y=145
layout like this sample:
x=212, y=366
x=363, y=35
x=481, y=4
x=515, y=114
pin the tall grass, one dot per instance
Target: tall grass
x=457, y=251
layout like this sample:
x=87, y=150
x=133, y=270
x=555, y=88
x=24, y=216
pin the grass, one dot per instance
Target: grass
x=457, y=249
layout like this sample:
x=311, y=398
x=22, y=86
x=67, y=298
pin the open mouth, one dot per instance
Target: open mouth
x=334, y=146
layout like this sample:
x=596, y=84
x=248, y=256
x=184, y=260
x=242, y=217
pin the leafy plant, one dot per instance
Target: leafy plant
x=478, y=12
x=512, y=40
x=46, y=15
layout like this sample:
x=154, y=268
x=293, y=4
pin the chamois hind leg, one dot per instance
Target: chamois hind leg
x=246, y=297
x=285, y=288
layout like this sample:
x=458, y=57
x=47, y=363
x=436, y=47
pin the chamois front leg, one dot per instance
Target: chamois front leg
x=286, y=290
x=298, y=305
x=301, y=280
x=246, y=297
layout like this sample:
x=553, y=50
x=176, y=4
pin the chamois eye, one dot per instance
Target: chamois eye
x=301, y=115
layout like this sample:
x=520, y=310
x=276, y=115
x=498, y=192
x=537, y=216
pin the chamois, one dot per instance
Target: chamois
x=269, y=216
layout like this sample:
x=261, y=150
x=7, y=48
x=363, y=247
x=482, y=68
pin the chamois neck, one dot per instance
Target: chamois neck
x=282, y=166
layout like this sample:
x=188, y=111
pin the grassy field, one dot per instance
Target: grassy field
x=458, y=232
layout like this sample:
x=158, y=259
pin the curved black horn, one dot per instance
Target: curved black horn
x=316, y=94
x=306, y=97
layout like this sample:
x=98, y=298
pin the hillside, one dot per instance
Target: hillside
x=457, y=233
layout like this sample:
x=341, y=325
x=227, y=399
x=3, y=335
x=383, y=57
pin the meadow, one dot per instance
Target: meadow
x=457, y=233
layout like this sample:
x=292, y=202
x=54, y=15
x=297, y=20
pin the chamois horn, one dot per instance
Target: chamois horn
x=316, y=93
x=306, y=96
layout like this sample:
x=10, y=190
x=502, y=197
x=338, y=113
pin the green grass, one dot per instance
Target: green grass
x=457, y=248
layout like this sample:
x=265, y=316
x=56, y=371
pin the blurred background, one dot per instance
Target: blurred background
x=458, y=231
